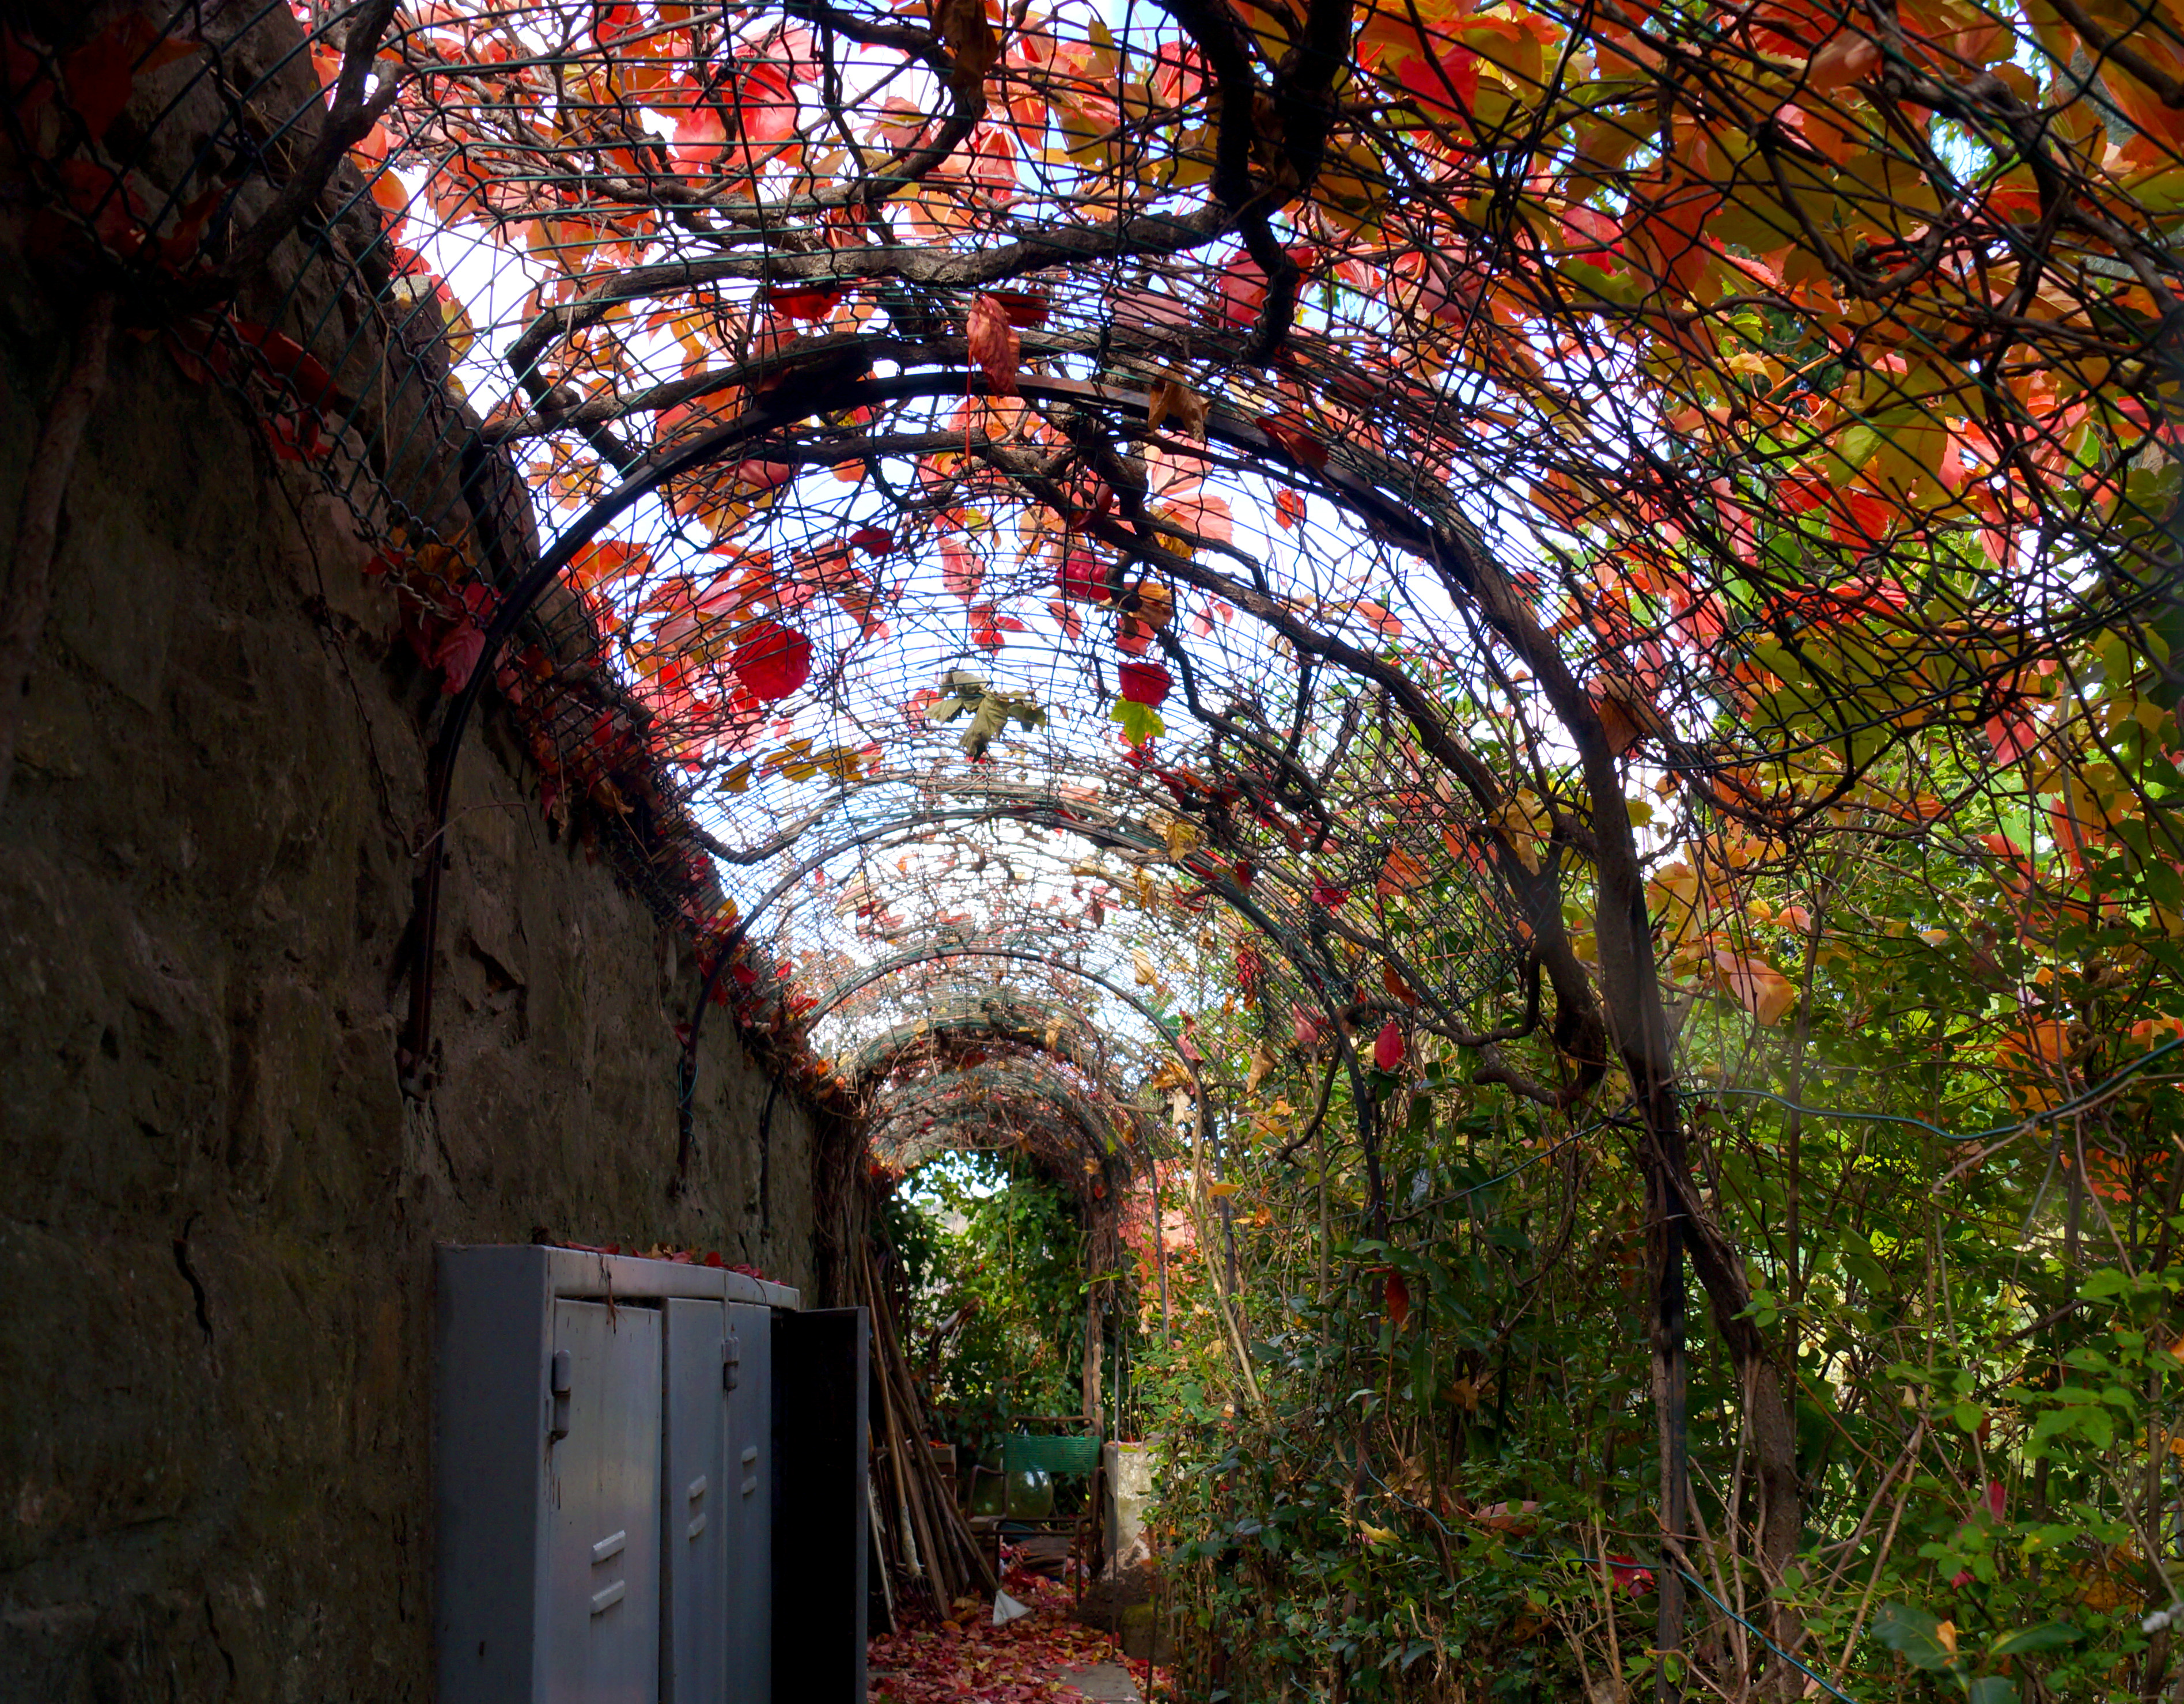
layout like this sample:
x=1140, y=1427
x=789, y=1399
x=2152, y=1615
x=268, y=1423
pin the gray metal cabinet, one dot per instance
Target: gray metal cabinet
x=748, y=1429
x=694, y=1521
x=602, y=1591
x=603, y=1476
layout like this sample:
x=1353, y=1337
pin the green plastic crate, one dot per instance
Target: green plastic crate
x=1024, y=1453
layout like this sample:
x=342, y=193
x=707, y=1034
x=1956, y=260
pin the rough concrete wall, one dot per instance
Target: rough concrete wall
x=219, y=1210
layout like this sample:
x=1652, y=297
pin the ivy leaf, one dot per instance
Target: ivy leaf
x=1141, y=723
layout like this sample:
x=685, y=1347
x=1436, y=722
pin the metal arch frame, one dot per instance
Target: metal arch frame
x=773, y=414
x=855, y=388
x=902, y=961
x=1051, y=813
x=1042, y=1086
x=889, y=967
x=877, y=1058
x=987, y=1129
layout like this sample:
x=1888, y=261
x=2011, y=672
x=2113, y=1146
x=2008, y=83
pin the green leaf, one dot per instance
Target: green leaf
x=1915, y=1636
x=2048, y=1635
x=1140, y=722
x=1995, y=1689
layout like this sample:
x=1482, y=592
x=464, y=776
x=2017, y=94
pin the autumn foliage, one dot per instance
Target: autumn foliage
x=1601, y=578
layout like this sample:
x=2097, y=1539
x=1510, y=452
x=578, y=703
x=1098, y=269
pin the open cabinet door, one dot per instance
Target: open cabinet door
x=820, y=1365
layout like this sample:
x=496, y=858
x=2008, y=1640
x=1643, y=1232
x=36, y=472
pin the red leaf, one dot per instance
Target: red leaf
x=1388, y=1046
x=102, y=74
x=994, y=345
x=1628, y=1576
x=772, y=660
x=1289, y=508
x=1292, y=436
x=2012, y=736
x=1025, y=309
x=874, y=541
x=804, y=301
x=1082, y=578
x=1398, y=1300
x=1143, y=683
x=456, y=652
x=289, y=361
x=761, y=475
x=1617, y=723
x=1325, y=894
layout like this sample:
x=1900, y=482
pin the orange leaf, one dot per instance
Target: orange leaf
x=1402, y=871
x=994, y=345
x=1763, y=990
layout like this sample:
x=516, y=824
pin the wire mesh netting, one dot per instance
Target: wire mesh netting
x=1154, y=487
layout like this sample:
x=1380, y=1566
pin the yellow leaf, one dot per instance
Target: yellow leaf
x=1523, y=824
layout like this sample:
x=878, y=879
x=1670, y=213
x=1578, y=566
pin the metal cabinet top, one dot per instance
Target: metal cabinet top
x=584, y=1273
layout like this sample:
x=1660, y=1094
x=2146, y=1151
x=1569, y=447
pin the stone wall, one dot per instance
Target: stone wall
x=218, y=1208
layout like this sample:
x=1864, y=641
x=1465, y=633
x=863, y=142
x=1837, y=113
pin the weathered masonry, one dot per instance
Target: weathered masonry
x=222, y=1201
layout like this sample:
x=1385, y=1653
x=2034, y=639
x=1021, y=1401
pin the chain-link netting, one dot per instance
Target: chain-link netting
x=1157, y=488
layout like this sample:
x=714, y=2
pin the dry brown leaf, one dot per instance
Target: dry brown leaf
x=1171, y=398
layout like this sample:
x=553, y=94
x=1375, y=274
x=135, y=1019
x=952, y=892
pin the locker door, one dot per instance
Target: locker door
x=602, y=1596
x=749, y=1505
x=821, y=1506
x=695, y=1500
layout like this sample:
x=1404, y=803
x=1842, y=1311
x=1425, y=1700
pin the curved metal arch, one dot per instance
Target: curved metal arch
x=852, y=387
x=989, y=1129
x=877, y=1058
x=1018, y=1082
x=1152, y=1169
x=902, y=961
x=1057, y=816
x=1049, y=812
x=886, y=967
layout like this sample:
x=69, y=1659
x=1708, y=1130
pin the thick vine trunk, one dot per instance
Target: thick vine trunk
x=1637, y=1019
x=1771, y=1419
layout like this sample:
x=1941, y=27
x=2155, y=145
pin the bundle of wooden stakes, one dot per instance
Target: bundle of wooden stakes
x=924, y=1538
